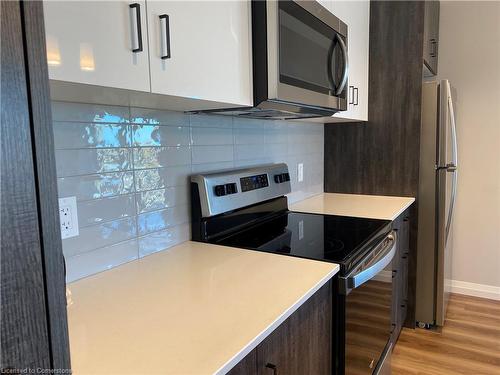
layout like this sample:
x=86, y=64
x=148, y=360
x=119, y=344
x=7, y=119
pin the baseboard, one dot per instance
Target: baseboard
x=476, y=290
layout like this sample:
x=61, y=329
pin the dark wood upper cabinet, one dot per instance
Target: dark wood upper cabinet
x=431, y=37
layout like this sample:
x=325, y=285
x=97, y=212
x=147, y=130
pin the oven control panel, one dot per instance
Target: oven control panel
x=254, y=182
x=225, y=191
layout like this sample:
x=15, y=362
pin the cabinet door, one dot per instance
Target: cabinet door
x=431, y=36
x=356, y=14
x=405, y=251
x=201, y=50
x=303, y=343
x=247, y=366
x=92, y=41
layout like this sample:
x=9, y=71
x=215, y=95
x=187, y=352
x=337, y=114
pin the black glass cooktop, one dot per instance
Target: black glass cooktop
x=338, y=239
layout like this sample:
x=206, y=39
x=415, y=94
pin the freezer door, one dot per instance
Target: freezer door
x=447, y=174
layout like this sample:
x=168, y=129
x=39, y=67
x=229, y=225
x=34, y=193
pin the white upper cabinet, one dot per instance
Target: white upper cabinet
x=356, y=14
x=190, y=49
x=92, y=42
x=201, y=50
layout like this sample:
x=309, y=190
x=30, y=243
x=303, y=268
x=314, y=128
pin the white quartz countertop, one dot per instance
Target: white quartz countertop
x=192, y=309
x=368, y=206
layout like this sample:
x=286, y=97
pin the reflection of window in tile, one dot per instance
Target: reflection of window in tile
x=108, y=117
x=113, y=184
x=153, y=221
x=147, y=157
x=148, y=180
x=112, y=159
x=146, y=135
x=126, y=226
x=145, y=120
x=152, y=200
x=107, y=135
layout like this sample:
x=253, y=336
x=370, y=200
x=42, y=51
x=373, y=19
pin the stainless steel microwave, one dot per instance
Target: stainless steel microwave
x=300, y=64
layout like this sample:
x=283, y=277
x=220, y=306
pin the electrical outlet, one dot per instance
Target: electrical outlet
x=68, y=217
x=300, y=172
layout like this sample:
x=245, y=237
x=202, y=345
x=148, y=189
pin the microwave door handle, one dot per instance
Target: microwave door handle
x=373, y=268
x=343, y=81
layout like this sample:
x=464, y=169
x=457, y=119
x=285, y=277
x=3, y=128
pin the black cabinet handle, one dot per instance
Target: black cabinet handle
x=433, y=47
x=357, y=97
x=351, y=94
x=165, y=36
x=272, y=367
x=137, y=33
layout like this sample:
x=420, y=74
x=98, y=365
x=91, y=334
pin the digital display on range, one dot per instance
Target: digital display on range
x=254, y=182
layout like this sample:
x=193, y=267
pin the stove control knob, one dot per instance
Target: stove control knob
x=220, y=190
x=231, y=188
x=280, y=178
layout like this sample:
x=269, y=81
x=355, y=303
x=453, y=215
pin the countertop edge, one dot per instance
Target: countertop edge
x=405, y=203
x=403, y=209
x=269, y=329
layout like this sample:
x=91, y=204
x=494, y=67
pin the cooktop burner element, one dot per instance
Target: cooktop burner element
x=321, y=237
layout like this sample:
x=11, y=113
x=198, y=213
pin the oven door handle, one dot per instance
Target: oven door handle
x=359, y=276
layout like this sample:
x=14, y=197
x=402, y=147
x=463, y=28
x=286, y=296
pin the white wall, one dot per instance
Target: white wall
x=469, y=56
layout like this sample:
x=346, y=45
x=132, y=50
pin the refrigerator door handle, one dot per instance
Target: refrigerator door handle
x=454, y=148
x=452, y=167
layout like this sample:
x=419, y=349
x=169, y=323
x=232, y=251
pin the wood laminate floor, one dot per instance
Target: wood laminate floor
x=469, y=342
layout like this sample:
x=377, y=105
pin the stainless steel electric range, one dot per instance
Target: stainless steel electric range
x=247, y=208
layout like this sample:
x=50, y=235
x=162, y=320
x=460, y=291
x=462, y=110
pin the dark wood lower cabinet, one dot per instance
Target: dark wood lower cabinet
x=301, y=345
x=400, y=274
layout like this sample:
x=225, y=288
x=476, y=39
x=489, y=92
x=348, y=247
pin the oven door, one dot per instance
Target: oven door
x=368, y=309
x=307, y=59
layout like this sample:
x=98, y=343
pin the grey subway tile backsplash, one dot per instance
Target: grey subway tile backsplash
x=97, y=211
x=101, y=259
x=100, y=235
x=157, y=157
x=248, y=136
x=162, y=240
x=211, y=136
x=79, y=162
x=129, y=169
x=161, y=198
x=212, y=154
x=96, y=186
x=157, y=135
x=65, y=111
x=68, y=135
x=209, y=121
x=157, y=220
x=158, y=117
x=158, y=178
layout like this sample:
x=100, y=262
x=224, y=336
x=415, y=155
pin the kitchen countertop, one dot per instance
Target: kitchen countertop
x=192, y=309
x=367, y=206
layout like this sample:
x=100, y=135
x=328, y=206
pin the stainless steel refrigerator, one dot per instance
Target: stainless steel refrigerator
x=436, y=201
